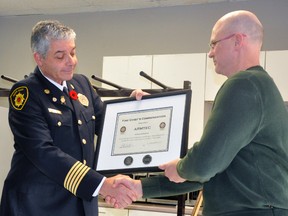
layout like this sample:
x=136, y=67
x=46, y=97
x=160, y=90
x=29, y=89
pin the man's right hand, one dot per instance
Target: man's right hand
x=124, y=181
x=119, y=194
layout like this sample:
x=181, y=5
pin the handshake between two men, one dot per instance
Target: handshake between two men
x=120, y=191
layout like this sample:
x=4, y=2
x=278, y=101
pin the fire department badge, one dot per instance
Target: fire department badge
x=83, y=99
x=19, y=97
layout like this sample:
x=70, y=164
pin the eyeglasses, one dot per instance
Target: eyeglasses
x=213, y=43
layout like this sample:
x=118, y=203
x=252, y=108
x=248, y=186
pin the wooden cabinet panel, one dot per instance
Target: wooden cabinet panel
x=124, y=71
x=6, y=146
x=113, y=212
x=276, y=66
x=214, y=81
x=173, y=70
x=145, y=213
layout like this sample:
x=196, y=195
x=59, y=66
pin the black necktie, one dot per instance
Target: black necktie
x=65, y=90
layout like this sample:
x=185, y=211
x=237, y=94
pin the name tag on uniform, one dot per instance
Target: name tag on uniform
x=54, y=111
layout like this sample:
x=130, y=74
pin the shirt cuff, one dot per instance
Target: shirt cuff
x=96, y=192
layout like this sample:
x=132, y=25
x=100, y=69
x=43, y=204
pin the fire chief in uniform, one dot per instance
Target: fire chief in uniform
x=54, y=133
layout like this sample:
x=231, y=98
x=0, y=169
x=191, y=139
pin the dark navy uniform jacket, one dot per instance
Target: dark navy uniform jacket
x=51, y=171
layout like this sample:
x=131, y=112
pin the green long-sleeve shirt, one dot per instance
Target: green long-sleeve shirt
x=242, y=157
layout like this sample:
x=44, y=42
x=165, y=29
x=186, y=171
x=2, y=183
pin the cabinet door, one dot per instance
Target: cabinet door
x=214, y=81
x=112, y=212
x=124, y=71
x=145, y=213
x=6, y=145
x=276, y=66
x=173, y=70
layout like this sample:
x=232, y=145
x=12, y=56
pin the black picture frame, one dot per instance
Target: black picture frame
x=138, y=136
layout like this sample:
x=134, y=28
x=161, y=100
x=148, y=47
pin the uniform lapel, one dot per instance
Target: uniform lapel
x=54, y=94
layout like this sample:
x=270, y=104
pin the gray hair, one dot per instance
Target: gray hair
x=46, y=31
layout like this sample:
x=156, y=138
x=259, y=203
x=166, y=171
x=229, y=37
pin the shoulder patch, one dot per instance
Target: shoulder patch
x=19, y=97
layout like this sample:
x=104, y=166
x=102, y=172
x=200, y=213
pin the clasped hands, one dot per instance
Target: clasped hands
x=125, y=190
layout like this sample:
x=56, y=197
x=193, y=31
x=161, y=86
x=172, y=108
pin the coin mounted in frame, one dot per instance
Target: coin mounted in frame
x=128, y=161
x=140, y=135
x=147, y=159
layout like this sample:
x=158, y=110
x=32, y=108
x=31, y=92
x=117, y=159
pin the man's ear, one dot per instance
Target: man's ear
x=239, y=39
x=38, y=58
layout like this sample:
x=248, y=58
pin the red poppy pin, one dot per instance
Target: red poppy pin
x=73, y=95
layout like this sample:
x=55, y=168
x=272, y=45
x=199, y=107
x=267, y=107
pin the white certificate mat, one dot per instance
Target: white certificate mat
x=140, y=135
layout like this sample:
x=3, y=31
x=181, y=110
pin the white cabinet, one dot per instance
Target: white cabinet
x=107, y=211
x=276, y=66
x=171, y=70
x=145, y=213
x=113, y=212
x=124, y=70
x=6, y=146
x=214, y=81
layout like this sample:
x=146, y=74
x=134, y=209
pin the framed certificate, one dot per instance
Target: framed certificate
x=138, y=136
